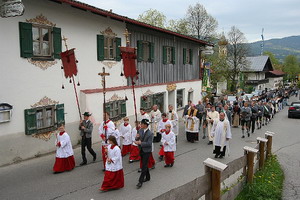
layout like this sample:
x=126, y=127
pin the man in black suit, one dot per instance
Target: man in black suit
x=86, y=129
x=144, y=140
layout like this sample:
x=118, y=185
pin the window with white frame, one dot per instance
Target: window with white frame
x=116, y=109
x=42, y=40
x=109, y=48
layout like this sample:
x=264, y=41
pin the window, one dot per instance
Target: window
x=43, y=119
x=179, y=98
x=108, y=48
x=187, y=56
x=5, y=112
x=145, y=51
x=168, y=55
x=116, y=109
x=39, y=41
x=155, y=99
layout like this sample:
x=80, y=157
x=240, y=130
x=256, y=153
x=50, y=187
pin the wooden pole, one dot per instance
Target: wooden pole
x=216, y=184
x=134, y=99
x=269, y=136
x=262, y=142
x=250, y=162
x=215, y=168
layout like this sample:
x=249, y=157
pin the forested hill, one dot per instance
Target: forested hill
x=279, y=47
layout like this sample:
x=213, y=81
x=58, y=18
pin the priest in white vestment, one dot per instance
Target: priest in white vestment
x=221, y=134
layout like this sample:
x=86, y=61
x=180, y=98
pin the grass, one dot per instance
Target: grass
x=267, y=183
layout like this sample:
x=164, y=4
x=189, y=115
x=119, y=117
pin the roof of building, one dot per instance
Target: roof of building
x=259, y=64
x=105, y=13
x=277, y=72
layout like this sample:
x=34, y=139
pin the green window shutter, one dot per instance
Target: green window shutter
x=26, y=41
x=57, y=42
x=191, y=56
x=123, y=108
x=140, y=51
x=30, y=121
x=151, y=50
x=118, y=51
x=60, y=114
x=164, y=55
x=143, y=103
x=184, y=55
x=173, y=55
x=100, y=47
x=107, y=108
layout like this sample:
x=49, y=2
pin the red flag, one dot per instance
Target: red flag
x=129, y=57
x=69, y=63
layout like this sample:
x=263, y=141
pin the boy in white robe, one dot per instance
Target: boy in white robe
x=173, y=117
x=106, y=129
x=169, y=145
x=125, y=131
x=221, y=134
x=135, y=151
x=64, y=152
x=162, y=128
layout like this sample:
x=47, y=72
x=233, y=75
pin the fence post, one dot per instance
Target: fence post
x=250, y=162
x=261, y=142
x=215, y=169
x=269, y=136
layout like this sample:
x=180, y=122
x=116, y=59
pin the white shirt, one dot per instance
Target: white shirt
x=162, y=125
x=174, y=121
x=65, y=150
x=220, y=131
x=133, y=136
x=110, y=130
x=125, y=132
x=116, y=157
x=170, y=139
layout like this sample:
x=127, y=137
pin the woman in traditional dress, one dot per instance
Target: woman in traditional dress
x=64, y=152
x=114, y=175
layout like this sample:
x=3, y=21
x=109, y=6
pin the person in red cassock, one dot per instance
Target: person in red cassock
x=64, y=152
x=114, y=175
x=125, y=132
x=168, y=141
x=162, y=128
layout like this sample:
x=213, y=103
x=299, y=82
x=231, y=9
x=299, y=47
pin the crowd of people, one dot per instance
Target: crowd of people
x=212, y=119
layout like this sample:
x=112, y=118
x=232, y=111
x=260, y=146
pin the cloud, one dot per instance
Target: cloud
x=278, y=18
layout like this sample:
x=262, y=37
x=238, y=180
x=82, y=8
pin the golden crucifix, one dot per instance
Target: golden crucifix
x=127, y=37
x=103, y=74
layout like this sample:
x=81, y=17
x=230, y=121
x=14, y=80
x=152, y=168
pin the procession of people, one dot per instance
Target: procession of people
x=213, y=120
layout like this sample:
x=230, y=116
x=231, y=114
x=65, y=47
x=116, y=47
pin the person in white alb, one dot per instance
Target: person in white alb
x=169, y=143
x=221, y=134
x=162, y=128
x=114, y=175
x=106, y=129
x=125, y=132
x=143, y=115
x=117, y=135
x=173, y=117
x=191, y=124
x=155, y=115
x=135, y=151
x=211, y=116
x=64, y=152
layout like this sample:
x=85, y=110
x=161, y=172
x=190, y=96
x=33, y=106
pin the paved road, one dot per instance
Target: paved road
x=33, y=179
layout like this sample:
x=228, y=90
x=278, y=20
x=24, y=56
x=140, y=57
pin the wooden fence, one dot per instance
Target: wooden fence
x=216, y=172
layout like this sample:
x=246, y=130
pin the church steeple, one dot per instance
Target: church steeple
x=222, y=46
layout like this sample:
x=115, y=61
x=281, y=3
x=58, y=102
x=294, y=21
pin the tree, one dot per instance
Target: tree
x=200, y=22
x=179, y=26
x=153, y=17
x=275, y=62
x=291, y=67
x=236, y=57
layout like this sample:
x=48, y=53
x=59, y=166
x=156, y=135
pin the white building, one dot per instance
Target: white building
x=32, y=101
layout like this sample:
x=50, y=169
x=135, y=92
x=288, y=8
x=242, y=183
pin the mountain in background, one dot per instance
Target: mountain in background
x=279, y=47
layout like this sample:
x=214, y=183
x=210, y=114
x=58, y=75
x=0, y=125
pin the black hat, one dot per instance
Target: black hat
x=145, y=121
x=87, y=114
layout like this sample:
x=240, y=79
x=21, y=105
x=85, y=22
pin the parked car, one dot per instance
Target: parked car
x=294, y=110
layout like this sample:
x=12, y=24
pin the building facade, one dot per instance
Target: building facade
x=32, y=101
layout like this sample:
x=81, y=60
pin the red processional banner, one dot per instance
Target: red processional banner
x=129, y=58
x=69, y=63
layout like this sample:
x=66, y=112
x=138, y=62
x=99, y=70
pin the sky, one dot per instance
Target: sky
x=279, y=18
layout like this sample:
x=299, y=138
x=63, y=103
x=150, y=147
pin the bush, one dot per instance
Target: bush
x=267, y=183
